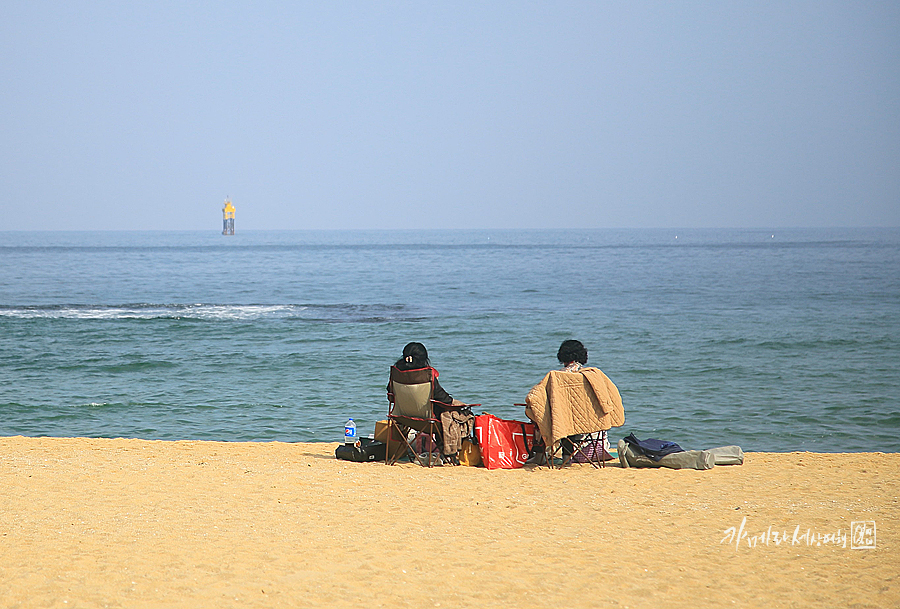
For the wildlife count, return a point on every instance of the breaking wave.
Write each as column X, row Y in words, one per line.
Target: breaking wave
column 373, row 313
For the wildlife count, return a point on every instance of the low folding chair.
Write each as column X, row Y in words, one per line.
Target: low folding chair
column 585, row 448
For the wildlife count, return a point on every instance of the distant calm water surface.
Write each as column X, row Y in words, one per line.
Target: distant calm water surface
column 773, row 340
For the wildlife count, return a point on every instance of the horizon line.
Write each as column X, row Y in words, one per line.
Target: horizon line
column 443, row 229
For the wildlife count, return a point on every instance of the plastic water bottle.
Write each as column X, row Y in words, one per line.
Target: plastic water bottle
column 350, row 432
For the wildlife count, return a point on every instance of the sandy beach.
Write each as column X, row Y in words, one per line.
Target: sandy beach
column 134, row 523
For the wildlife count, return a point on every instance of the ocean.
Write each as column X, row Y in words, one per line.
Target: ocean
column 784, row 340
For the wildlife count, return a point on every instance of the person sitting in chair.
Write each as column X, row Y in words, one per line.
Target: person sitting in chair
column 415, row 357
column 573, row 357
column 456, row 423
column 599, row 403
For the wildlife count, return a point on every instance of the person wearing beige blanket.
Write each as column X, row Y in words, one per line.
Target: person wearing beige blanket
column 574, row 400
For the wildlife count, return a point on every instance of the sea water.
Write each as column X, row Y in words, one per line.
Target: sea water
column 773, row 340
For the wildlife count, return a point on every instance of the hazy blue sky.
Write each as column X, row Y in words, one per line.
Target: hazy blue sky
column 126, row 115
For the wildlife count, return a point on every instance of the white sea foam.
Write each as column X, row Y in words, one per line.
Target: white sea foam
column 195, row 311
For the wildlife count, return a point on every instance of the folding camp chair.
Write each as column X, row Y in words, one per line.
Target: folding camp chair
column 411, row 416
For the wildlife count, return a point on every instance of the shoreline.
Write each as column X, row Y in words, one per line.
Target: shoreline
column 335, row 443
column 95, row 522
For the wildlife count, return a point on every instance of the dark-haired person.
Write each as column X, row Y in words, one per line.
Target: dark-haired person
column 594, row 395
column 572, row 355
column 415, row 357
column 455, row 425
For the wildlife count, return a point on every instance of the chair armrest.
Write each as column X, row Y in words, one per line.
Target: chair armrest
column 453, row 406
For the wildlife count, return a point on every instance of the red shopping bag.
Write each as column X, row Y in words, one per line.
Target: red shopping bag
column 504, row 444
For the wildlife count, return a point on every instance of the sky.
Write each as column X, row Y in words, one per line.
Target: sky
column 463, row 115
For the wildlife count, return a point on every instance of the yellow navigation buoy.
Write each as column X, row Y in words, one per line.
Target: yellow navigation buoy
column 228, row 218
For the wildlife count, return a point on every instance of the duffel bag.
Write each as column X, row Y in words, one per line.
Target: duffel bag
column 368, row 450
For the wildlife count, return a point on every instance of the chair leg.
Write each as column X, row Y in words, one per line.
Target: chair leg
column 578, row 448
column 590, row 440
column 550, row 454
column 389, row 457
column 387, row 452
column 591, row 447
column 430, row 440
column 575, row 446
column 403, row 432
column 595, row 442
column 603, row 449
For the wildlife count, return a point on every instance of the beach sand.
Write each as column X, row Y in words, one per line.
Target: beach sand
column 134, row 523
